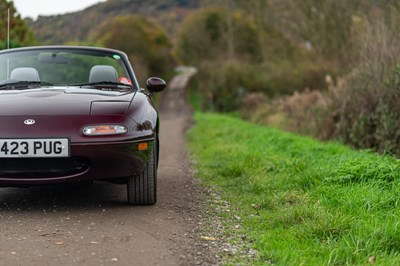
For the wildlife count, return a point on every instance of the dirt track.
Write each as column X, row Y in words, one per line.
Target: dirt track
column 92, row 224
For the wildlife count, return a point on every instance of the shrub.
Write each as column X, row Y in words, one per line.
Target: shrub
column 362, row 108
column 366, row 103
column 220, row 84
column 236, row 56
column 224, row 84
column 304, row 112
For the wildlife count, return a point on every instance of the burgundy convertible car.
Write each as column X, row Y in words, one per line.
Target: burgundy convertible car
column 71, row 114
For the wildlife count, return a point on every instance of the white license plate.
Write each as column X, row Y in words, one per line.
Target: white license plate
column 16, row 148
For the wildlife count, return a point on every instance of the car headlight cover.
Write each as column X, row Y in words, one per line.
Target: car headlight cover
column 99, row 130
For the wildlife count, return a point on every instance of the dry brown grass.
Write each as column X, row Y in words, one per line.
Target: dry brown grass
column 360, row 108
column 303, row 112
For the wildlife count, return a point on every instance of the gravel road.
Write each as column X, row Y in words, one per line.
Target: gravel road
column 91, row 224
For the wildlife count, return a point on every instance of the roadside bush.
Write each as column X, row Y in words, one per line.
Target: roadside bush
column 224, row 84
column 362, row 108
column 366, row 104
column 306, row 113
column 236, row 56
column 288, row 76
column 220, row 84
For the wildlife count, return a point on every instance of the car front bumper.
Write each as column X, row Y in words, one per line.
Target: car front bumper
column 88, row 161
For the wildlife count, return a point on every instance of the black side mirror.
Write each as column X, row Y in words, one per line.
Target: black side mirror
column 155, row 84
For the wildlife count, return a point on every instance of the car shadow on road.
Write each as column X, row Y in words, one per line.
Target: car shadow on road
column 64, row 197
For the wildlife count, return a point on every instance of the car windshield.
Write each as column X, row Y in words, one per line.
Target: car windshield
column 96, row 68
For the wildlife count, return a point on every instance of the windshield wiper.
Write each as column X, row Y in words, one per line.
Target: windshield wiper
column 104, row 85
column 23, row 84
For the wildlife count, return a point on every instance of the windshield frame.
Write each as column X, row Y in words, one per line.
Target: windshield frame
column 78, row 50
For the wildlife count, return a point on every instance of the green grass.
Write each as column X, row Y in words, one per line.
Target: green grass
column 301, row 202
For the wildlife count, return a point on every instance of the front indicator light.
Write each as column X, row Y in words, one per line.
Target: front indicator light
column 143, row 146
column 100, row 130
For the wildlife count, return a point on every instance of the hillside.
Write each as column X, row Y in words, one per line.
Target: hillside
column 79, row 26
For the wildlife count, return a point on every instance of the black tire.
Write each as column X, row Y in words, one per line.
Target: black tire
column 142, row 188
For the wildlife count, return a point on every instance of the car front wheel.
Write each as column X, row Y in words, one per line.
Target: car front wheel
column 142, row 188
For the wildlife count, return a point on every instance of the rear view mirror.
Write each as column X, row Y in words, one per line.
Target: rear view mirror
column 155, row 84
column 53, row 59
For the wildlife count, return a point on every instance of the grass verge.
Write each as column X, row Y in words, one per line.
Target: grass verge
column 301, row 202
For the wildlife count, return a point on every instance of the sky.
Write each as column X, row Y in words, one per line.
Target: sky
column 34, row 8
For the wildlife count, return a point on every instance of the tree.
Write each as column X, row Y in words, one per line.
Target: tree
column 20, row 34
column 217, row 34
column 322, row 27
column 145, row 42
